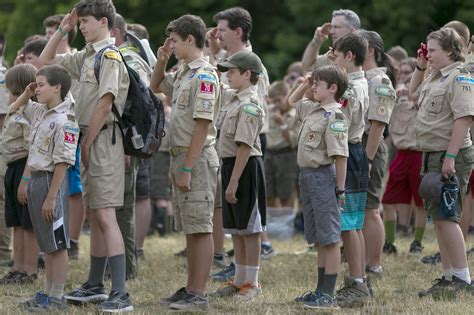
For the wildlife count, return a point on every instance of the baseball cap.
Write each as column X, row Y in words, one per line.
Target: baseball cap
column 244, row 59
column 431, row 187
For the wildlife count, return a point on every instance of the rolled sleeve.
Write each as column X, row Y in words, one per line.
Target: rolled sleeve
column 248, row 129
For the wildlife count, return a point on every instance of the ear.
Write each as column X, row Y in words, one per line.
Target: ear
column 349, row 55
column 333, row 88
column 370, row 51
column 248, row 74
column 104, row 22
column 191, row 40
column 57, row 89
column 239, row 31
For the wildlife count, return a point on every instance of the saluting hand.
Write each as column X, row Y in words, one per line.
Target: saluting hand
column 30, row 89
column 322, row 33
column 69, row 21
column 231, row 191
column 213, row 40
column 184, row 182
column 48, row 209
column 164, row 52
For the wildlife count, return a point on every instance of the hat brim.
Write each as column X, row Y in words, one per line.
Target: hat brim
column 224, row 67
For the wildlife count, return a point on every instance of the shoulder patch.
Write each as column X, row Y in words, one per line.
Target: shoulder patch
column 386, row 81
column 338, row 126
column 339, row 116
column 112, row 54
column 464, row 79
column 206, row 77
column 71, row 117
column 384, row 91
column 252, row 109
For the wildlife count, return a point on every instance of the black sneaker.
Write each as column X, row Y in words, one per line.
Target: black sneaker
column 439, row 285
column 389, row 248
column 116, row 303
column 415, row 248
column 459, row 285
column 175, row 297
column 432, row 260
column 87, row 293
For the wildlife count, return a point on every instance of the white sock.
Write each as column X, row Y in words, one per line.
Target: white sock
column 462, row 274
column 251, row 274
column 57, row 290
column 359, row 280
column 448, row 274
column 47, row 286
column 240, row 273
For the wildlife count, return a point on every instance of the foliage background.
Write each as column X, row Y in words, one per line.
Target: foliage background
column 281, row 30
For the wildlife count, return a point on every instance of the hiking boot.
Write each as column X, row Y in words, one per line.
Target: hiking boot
column 432, row 260
column 87, row 293
column 225, row 274
column 73, row 250
column 389, row 248
column 248, row 292
column 117, row 302
column 267, row 251
column 324, row 301
column 415, row 248
column 228, row 289
column 191, row 302
column 439, row 284
column 219, row 261
column 353, row 293
column 376, row 271
column 175, row 297
column 308, row 296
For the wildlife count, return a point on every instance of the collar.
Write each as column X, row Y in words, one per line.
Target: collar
column 448, row 69
column 330, row 106
column 97, row 46
column 373, row 72
column 356, row 75
column 247, row 93
column 198, row 63
column 62, row 107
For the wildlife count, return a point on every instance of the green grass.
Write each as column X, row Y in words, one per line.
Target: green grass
column 282, row 278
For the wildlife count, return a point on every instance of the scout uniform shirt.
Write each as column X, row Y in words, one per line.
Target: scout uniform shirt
column 15, row 136
column 448, row 94
column 136, row 62
column 323, row 133
column 194, row 93
column 275, row 139
column 355, row 103
column 381, row 97
column 242, row 123
column 113, row 78
column 53, row 137
column 402, row 122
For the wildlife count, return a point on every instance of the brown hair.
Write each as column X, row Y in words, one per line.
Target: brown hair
column 236, row 17
column 332, row 75
column 18, row 78
column 462, row 30
column 138, row 30
column 188, row 25
column 98, row 9
column 55, row 21
column 56, row 74
column 450, row 41
column 278, row 88
column 354, row 43
column 253, row 76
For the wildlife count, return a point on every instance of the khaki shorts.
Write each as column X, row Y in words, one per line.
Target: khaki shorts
column 433, row 162
column 103, row 182
column 193, row 210
column 218, row 194
column 377, row 174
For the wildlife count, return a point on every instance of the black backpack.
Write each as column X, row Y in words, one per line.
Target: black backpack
column 143, row 119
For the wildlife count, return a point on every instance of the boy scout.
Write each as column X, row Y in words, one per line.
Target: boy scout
column 322, row 157
column 102, row 153
column 194, row 163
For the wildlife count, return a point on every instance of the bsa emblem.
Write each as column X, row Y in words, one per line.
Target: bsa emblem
column 311, row 137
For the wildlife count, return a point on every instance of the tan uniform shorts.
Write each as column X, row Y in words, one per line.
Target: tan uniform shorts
column 378, row 171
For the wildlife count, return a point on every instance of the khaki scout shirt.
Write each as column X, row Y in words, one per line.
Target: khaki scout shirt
column 242, row 123
column 194, row 92
column 15, row 135
column 381, row 97
column 53, row 138
column 448, row 94
column 355, row 104
column 323, row 133
column 113, row 78
column 402, row 122
column 136, row 62
column 275, row 139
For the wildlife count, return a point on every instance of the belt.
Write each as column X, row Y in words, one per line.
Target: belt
column 174, row 151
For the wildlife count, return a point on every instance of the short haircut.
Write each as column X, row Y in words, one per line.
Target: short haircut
column 121, row 25
column 98, row 9
column 278, row 88
column 236, row 17
column 55, row 21
column 332, row 75
column 398, row 53
column 56, row 74
column 188, row 25
column 254, row 77
column 410, row 61
column 462, row 30
column 138, row 30
column 352, row 19
column 297, row 67
column 18, row 77
column 354, row 43
column 450, row 41
column 35, row 47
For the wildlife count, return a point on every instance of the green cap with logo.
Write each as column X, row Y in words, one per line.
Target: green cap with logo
column 244, row 59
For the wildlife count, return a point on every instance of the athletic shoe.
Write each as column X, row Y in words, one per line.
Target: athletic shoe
column 308, row 296
column 368, row 283
column 459, row 285
column 438, row 285
column 191, row 302
column 17, row 277
column 49, row 304
column 376, row 271
column 225, row 274
column 324, row 301
column 116, row 303
column 415, row 248
column 228, row 289
column 219, row 261
column 353, row 293
column 248, row 292
column 87, row 293
column 267, row 251
column 432, row 260
column 10, row 277
column 175, row 297
column 389, row 248
column 39, row 298
column 73, row 250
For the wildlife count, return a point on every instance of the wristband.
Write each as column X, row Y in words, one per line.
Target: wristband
column 60, row 30
column 341, row 197
column 25, row 179
column 420, row 69
column 187, row 170
column 340, row 191
column 451, row 156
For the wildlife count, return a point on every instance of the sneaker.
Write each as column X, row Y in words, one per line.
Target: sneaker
column 389, row 248
column 439, row 284
column 191, row 302
column 248, row 292
column 267, row 251
column 41, row 263
column 432, row 260
column 225, row 274
column 228, row 289
column 73, row 250
column 376, row 271
column 308, row 296
column 459, row 285
column 87, row 293
column 116, row 303
column 10, row 277
column 24, row 278
column 415, row 248
column 48, row 304
column 353, row 293
column 181, row 253
column 324, row 301
column 175, row 297
column 219, row 261
column 38, row 303
column 39, row 298
column 368, row 283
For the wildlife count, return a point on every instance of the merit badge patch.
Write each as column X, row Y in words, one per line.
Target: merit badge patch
column 207, row 88
column 192, row 74
column 327, row 114
column 252, row 110
column 338, row 126
column 69, row 137
column 382, row 110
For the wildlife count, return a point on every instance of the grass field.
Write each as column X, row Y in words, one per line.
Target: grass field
column 282, row 277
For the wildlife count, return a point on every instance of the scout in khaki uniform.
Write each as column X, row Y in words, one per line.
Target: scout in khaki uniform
column 102, row 153
column 52, row 148
column 379, row 72
column 194, row 96
column 242, row 172
column 322, row 158
column 446, row 108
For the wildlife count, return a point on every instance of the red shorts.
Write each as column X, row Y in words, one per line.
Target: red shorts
column 472, row 183
column 404, row 179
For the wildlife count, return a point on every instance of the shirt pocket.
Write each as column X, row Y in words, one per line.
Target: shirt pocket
column 435, row 101
column 231, row 125
column 44, row 138
column 312, row 136
column 88, row 75
column 183, row 98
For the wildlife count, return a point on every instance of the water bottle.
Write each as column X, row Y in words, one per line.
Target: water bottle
column 449, row 197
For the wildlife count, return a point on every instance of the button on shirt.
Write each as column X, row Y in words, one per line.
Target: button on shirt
column 323, row 134
column 194, row 93
column 53, row 138
column 242, row 123
column 444, row 97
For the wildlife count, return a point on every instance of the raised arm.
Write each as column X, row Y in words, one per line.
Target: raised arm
column 311, row 52
column 163, row 55
column 300, row 91
column 24, row 97
column 419, row 74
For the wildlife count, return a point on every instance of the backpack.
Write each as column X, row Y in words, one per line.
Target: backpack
column 143, row 119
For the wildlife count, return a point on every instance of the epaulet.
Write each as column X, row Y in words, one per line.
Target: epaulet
column 71, row 117
column 252, row 109
column 113, row 54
